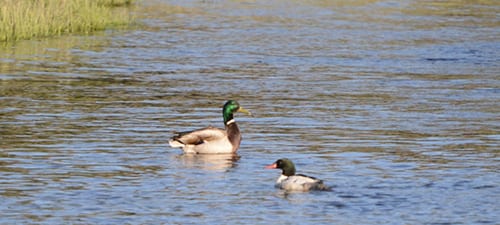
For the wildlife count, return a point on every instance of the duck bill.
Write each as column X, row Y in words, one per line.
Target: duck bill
column 241, row 109
column 272, row 166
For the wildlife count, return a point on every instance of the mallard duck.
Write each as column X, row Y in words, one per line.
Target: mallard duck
column 290, row 181
column 211, row 140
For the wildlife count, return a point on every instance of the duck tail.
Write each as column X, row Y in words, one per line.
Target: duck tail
column 175, row 143
column 320, row 186
column 323, row 187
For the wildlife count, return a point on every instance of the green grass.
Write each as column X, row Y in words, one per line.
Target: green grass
column 26, row 19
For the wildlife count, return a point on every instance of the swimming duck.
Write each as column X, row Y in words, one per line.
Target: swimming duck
column 290, row 181
column 211, row 140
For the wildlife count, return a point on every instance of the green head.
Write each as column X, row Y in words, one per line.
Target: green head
column 285, row 165
column 230, row 108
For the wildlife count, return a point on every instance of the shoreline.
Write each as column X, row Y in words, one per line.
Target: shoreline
column 24, row 20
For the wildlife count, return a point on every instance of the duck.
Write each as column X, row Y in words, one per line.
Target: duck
column 289, row 181
column 212, row 140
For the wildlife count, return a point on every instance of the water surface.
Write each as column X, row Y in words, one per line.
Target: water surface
column 393, row 103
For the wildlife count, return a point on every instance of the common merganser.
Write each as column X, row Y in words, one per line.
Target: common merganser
column 290, row 181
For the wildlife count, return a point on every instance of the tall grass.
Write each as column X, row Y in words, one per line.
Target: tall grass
column 25, row 19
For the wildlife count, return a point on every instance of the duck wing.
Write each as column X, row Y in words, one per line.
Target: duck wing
column 304, row 183
column 200, row 136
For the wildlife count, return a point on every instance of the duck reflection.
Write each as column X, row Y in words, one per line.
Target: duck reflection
column 221, row 162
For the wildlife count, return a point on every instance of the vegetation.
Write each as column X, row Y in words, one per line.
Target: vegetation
column 25, row 19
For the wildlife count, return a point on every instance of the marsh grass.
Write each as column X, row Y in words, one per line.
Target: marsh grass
column 25, row 19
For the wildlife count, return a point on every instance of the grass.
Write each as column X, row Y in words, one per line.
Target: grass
column 26, row 19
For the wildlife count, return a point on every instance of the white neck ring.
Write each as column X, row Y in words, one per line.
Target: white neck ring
column 230, row 122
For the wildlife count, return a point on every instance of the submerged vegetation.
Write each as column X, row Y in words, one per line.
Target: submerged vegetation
column 41, row 18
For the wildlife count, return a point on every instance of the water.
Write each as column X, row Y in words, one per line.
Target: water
column 393, row 103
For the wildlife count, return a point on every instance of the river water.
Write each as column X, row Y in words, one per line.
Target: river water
column 395, row 104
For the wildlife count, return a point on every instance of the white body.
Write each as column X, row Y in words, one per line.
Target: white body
column 299, row 183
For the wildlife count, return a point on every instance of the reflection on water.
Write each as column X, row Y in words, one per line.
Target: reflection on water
column 394, row 104
column 218, row 162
